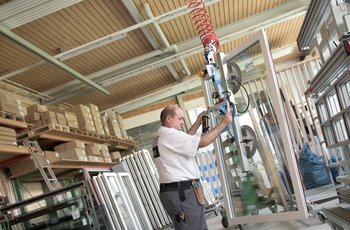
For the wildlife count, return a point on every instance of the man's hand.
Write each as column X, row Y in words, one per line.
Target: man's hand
column 227, row 118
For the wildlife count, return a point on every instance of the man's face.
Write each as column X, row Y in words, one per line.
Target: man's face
column 177, row 122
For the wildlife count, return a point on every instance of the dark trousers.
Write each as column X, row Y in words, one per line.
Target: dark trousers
column 182, row 202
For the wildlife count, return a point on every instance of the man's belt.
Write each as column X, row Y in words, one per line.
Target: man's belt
column 176, row 186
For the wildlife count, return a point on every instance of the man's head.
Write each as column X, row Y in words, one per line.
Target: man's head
column 172, row 117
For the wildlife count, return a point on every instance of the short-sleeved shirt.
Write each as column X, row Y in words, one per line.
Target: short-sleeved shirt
column 177, row 160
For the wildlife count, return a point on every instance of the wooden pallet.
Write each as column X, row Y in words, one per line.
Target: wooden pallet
column 57, row 132
column 11, row 116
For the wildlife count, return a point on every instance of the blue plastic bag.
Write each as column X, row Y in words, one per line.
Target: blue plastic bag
column 313, row 169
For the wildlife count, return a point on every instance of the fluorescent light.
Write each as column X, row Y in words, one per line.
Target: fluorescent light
column 89, row 46
column 19, row 12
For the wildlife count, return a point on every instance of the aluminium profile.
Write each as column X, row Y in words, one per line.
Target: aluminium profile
column 337, row 63
column 313, row 18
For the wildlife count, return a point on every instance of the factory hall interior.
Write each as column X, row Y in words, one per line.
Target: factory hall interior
column 175, row 114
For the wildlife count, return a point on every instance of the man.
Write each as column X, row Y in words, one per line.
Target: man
column 175, row 153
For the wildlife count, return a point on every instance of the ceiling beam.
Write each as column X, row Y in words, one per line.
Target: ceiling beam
column 159, row 95
column 130, row 5
column 101, row 41
column 185, row 86
column 187, row 48
column 24, row 43
column 18, row 12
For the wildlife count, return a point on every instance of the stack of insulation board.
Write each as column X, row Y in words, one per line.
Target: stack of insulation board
column 8, row 136
column 78, row 150
column 115, row 124
column 82, row 117
column 13, row 104
column 73, row 150
column 143, row 172
column 39, row 115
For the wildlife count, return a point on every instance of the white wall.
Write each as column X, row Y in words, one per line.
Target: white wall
column 153, row 116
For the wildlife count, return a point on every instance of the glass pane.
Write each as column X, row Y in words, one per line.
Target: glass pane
column 333, row 103
column 328, row 133
column 264, row 186
column 135, row 201
column 322, row 111
column 340, row 129
column 347, row 119
column 119, row 201
column 344, row 93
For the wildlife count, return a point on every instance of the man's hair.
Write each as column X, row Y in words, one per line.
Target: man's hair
column 167, row 111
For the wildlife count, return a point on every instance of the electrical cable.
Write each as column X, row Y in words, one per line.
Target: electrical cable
column 245, row 110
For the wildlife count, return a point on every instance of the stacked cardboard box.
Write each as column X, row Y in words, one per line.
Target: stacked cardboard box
column 96, row 118
column 85, row 120
column 73, row 150
column 38, row 115
column 105, row 125
column 72, row 120
column 113, row 125
column 8, row 136
column 103, row 152
column 115, row 156
column 52, row 156
column 12, row 104
column 93, row 153
column 22, row 166
column 61, row 119
column 33, row 114
column 48, row 117
column 121, row 126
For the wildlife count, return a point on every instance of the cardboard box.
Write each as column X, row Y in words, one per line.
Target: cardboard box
column 84, row 117
column 107, row 159
column 8, row 138
column 4, row 142
column 36, row 108
column 96, row 117
column 52, row 156
column 92, row 150
column 72, row 120
column 60, row 148
column 11, row 105
column 70, row 145
column 7, row 131
column 61, row 119
column 75, row 144
column 115, row 156
column 112, row 123
column 104, row 151
column 105, row 126
column 22, row 166
column 73, row 154
column 30, row 117
column 48, row 117
column 95, row 158
column 121, row 126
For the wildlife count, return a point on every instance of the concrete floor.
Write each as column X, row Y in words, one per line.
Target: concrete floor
column 311, row 223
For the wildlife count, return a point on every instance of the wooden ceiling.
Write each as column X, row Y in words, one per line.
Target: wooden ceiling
column 153, row 54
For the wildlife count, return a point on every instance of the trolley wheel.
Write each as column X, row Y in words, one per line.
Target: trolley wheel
column 240, row 227
column 273, row 208
column 321, row 217
column 224, row 222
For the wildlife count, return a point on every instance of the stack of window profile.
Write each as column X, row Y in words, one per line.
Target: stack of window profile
column 124, row 208
column 145, row 176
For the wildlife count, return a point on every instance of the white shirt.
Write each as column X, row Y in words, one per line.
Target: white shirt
column 177, row 160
